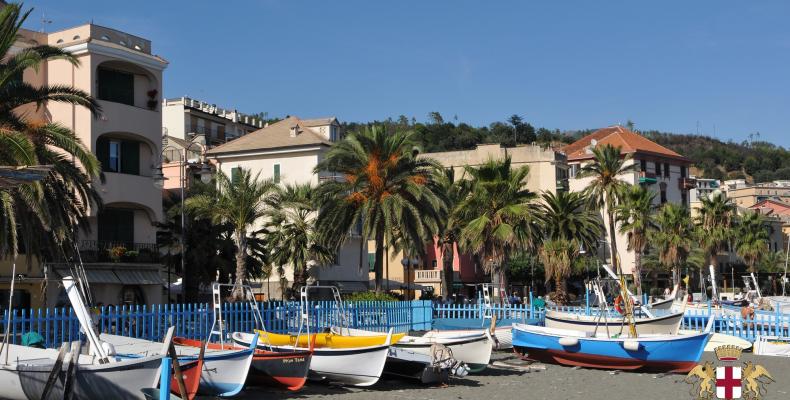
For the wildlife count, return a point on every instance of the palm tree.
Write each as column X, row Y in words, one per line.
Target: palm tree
column 607, row 164
column 714, row 223
column 291, row 232
column 495, row 214
column 634, row 213
column 672, row 238
column 449, row 226
column 751, row 241
column 48, row 211
column 567, row 225
column 241, row 203
column 384, row 187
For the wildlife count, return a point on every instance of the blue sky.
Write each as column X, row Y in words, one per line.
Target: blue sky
column 668, row 65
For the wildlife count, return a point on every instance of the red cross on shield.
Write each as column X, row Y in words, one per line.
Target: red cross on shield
column 728, row 382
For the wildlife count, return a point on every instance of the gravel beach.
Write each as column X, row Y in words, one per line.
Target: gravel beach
column 555, row 382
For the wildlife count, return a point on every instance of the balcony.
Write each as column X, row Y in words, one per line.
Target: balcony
column 687, row 183
column 647, row 178
column 118, row 117
column 98, row 251
column 131, row 189
column 427, row 276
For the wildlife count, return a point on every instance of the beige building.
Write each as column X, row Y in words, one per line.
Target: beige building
column 120, row 71
column 287, row 152
column 189, row 119
column 748, row 195
column 658, row 168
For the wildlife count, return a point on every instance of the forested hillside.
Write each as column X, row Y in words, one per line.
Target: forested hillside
column 755, row 160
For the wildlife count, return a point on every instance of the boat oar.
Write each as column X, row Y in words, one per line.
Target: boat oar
column 53, row 375
column 182, row 388
column 71, row 373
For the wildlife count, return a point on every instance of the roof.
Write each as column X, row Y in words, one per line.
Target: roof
column 318, row 121
column 275, row 136
column 618, row 136
column 178, row 141
column 775, row 207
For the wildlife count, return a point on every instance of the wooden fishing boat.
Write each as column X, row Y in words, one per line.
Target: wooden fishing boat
column 326, row 340
column 282, row 369
column 721, row 339
column 772, row 346
column 356, row 366
column 502, row 334
column 224, row 372
column 471, row 347
column 434, row 368
column 667, row 353
column 665, row 324
column 190, row 374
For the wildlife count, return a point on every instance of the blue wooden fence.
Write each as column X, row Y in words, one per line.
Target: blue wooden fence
column 194, row 320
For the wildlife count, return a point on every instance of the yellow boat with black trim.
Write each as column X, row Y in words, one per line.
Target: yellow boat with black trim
column 326, row 340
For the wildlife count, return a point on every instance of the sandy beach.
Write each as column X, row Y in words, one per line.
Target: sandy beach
column 555, row 382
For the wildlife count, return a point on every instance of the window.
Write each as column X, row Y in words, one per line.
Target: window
column 276, row 173
column 116, row 225
column 235, row 175
column 658, row 168
column 118, row 155
column 116, row 86
column 666, row 170
column 643, row 164
column 683, row 198
column 663, row 196
column 682, row 171
column 371, row 262
column 574, row 170
column 433, row 264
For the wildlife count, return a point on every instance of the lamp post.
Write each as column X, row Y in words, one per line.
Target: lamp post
column 159, row 181
column 407, row 263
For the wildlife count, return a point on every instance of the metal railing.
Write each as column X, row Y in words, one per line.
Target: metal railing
column 427, row 275
column 118, row 251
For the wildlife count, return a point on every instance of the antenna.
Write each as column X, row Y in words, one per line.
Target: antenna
column 44, row 23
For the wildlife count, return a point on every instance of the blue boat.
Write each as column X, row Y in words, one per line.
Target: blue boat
column 666, row 353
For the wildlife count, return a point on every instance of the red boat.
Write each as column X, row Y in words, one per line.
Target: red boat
column 286, row 369
column 190, row 371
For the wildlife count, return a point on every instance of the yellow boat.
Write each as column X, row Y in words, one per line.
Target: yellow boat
column 326, row 340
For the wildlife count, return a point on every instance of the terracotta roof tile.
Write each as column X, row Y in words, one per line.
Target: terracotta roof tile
column 618, row 136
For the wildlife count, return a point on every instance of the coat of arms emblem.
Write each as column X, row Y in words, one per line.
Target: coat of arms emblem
column 728, row 381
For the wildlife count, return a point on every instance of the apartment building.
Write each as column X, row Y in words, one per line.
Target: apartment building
column 548, row 171
column 287, row 152
column 744, row 195
column 119, row 248
column 194, row 120
column 655, row 167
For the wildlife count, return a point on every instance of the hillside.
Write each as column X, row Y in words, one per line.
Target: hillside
column 756, row 161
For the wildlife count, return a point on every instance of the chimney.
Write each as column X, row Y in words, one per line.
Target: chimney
column 294, row 130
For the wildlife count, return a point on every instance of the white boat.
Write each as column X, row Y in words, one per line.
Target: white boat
column 224, row 371
column 98, row 375
column 667, row 325
column 501, row 337
column 772, row 346
column 471, row 347
column 720, row 339
column 356, row 366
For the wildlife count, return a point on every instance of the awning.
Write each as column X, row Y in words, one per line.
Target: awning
column 138, row 277
column 94, row 275
column 351, row 286
column 396, row 285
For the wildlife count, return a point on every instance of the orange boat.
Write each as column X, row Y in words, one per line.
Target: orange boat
column 282, row 369
column 190, row 372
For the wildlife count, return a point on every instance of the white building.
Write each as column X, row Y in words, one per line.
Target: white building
column 287, row 152
column 656, row 167
column 188, row 119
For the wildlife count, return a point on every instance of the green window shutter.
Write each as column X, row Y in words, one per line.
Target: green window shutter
column 372, row 261
column 116, row 86
column 116, row 225
column 276, row 173
column 235, row 174
column 103, row 153
column 130, row 157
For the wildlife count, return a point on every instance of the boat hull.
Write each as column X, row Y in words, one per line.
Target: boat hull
column 190, row 373
column 670, row 353
column 503, row 338
column 662, row 304
column 408, row 364
column 350, row 366
column 330, row 340
column 474, row 350
column 287, row 370
column 663, row 325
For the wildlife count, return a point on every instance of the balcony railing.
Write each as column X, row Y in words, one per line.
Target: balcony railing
column 111, row 251
column 648, row 178
column 687, row 183
column 428, row 275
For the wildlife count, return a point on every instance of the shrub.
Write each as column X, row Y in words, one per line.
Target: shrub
column 370, row 296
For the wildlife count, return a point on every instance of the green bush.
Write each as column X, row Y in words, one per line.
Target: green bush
column 370, row 296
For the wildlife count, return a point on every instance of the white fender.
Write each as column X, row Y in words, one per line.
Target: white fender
column 569, row 341
column 631, row 345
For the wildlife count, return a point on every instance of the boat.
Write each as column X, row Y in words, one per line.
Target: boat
column 356, row 366
column 326, row 340
column 501, row 335
column 666, row 353
column 434, row 368
column 667, row 324
column 190, row 375
column 90, row 376
column 471, row 347
column 224, row 372
column 772, row 346
column 281, row 369
column 721, row 339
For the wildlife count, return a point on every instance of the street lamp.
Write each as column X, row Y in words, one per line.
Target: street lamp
column 159, row 181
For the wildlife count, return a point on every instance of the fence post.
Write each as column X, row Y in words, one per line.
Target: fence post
column 586, row 300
